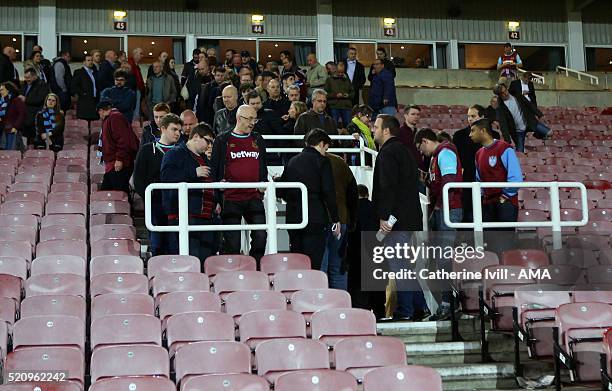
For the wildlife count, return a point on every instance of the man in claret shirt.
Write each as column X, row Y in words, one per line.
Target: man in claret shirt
column 188, row 163
column 496, row 161
column 240, row 156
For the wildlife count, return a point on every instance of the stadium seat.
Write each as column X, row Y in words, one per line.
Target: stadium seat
column 195, row 326
column 238, row 303
column 69, row 177
column 125, row 329
column 22, row 208
column 8, row 310
column 55, row 284
column 107, row 195
column 229, row 263
column 25, row 196
column 172, row 263
column 30, row 186
column 331, row 325
column 104, row 264
column 4, row 335
column 279, row 356
column 122, row 283
column 315, row 380
column 49, row 330
column 115, row 247
column 112, row 231
column 531, row 258
column 274, row 263
column 63, row 232
column 165, row 282
column 77, row 248
column 134, row 383
column 258, row 326
column 69, row 187
column 10, row 287
column 14, row 266
column 402, row 378
column 211, row 357
column 121, row 303
column 63, row 220
column 47, row 305
column 359, row 355
column 308, row 301
column 227, row 282
column 600, row 215
column 230, row 381
column 49, row 358
column 14, row 220
column 290, row 281
column 58, row 264
column 66, row 207
column 109, row 207
column 129, row 360
column 110, row 219
column 179, row 302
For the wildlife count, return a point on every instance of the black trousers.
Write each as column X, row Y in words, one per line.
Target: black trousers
column 200, row 242
column 117, row 180
column 254, row 213
column 310, row 241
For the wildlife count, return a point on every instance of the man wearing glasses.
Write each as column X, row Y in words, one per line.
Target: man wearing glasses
column 316, row 118
column 240, row 156
column 123, row 98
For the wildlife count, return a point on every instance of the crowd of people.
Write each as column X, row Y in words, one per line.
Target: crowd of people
column 207, row 125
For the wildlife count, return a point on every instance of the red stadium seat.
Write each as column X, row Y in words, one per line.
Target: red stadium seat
column 123, row 283
column 109, row 207
column 69, row 177
column 237, row 382
column 63, row 219
column 63, row 232
column 532, row 215
column 121, row 303
column 112, row 231
column 55, row 284
column 359, row 355
column 69, row 187
column 40, row 153
column 104, row 264
column 16, row 248
column 537, row 204
column 274, row 263
column 48, row 358
column 280, row 356
column 115, row 247
column 109, row 195
column 238, row 303
column 290, row 281
column 165, row 282
column 25, row 196
column 8, row 310
column 49, row 330
column 179, row 302
column 307, row 301
column 129, row 360
column 599, row 293
column 110, row 219
column 402, row 378
column 187, row 327
column 58, row 264
column 14, row 266
column 315, row 380
column 211, row 357
column 600, row 215
column 125, row 329
column 528, row 258
column 22, row 208
column 229, row 263
column 10, row 287
column 25, row 220
column 4, row 334
column 331, row 325
column 172, row 263
column 133, row 383
column 48, row 305
column 29, row 186
column 227, row 282
column 258, row 326
column 77, row 248
column 66, row 207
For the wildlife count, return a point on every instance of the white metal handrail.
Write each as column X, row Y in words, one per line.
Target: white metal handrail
column 538, row 79
column 555, row 206
column 183, row 228
column 592, row 78
column 361, row 149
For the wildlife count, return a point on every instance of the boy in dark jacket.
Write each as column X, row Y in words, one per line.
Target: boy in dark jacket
column 151, row 132
column 147, row 171
column 188, row 163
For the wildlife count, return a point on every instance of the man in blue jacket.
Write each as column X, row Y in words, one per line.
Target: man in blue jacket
column 123, row 98
column 188, row 163
column 382, row 98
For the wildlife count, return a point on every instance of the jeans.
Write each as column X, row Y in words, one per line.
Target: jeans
column 436, row 221
column 159, row 240
column 520, row 141
column 341, row 114
column 254, row 213
column 410, row 298
column 10, row 141
column 200, row 242
column 391, row 110
column 332, row 259
column 310, row 241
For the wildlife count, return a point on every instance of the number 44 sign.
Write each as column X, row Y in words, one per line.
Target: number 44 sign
column 257, row 28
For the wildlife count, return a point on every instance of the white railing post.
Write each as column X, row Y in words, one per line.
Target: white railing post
column 476, row 207
column 271, row 217
column 183, row 218
column 555, row 215
column 361, row 152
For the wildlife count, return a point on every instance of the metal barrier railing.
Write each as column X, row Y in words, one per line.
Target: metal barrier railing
column 538, row 79
column 183, row 228
column 579, row 75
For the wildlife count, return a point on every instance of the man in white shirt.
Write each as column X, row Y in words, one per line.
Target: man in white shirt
column 355, row 72
column 516, row 115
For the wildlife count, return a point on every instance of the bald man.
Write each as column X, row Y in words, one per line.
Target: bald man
column 189, row 121
column 225, row 119
column 240, row 156
column 7, row 69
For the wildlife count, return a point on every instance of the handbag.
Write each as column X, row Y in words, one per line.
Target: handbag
column 185, row 92
column 541, row 131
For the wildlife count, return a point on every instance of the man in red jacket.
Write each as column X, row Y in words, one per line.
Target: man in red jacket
column 137, row 55
column 119, row 147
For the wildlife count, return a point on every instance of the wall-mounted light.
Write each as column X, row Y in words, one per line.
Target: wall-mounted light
column 119, row 14
column 402, row 47
column 17, row 50
column 152, row 42
column 84, row 51
column 257, row 18
column 14, row 39
column 513, row 25
column 84, row 41
column 388, row 22
column 150, row 53
column 275, row 45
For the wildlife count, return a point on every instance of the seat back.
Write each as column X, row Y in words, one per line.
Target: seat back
column 55, row 284
column 172, row 263
column 292, row 354
column 177, row 302
column 125, row 329
column 267, row 324
column 289, row 281
column 229, row 263
column 49, row 330
column 118, row 283
column 227, row 282
column 197, row 326
column 308, row 301
column 121, row 303
column 58, row 264
column 316, row 380
column 333, row 324
column 104, row 264
column 273, row 263
column 47, row 358
column 238, row 303
column 54, row 305
column 134, row 383
column 402, row 378
column 211, row 357
column 165, row 282
column 129, row 360
column 358, row 354
column 237, row 382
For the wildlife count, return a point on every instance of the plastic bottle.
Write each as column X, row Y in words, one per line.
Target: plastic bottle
column 380, row 235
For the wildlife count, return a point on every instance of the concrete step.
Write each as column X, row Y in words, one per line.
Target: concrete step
column 477, row 376
column 430, row 331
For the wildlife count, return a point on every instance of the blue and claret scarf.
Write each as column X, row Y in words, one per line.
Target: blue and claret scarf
column 48, row 120
column 4, row 104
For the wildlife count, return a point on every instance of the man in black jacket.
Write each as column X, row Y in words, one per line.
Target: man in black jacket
column 313, row 169
column 240, row 156
column 61, row 79
column 395, row 193
column 188, row 163
column 355, row 72
column 317, row 117
column 524, row 86
column 206, row 97
column 268, row 122
column 151, row 132
column 8, row 72
column 147, row 168
column 35, row 91
column 516, row 116
column 381, row 54
column 106, row 78
column 84, row 88
column 190, row 66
